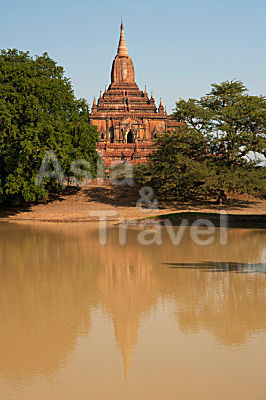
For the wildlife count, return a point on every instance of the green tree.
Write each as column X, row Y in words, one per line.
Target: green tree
column 234, row 121
column 179, row 166
column 38, row 113
column 206, row 154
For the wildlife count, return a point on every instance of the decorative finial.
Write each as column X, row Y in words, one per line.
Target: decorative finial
column 105, row 89
column 94, row 102
column 161, row 102
column 122, row 47
column 145, row 91
column 151, row 95
column 101, row 94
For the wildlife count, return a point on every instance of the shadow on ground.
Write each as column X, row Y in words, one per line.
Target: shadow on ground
column 125, row 196
column 116, row 196
column 10, row 210
column 231, row 204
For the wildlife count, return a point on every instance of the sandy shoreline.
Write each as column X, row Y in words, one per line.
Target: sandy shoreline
column 76, row 205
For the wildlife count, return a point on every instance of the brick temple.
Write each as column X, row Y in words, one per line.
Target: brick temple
column 126, row 117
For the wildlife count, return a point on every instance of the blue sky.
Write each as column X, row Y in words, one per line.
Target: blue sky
column 178, row 47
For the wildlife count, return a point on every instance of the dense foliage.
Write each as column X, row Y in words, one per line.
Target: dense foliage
column 234, row 121
column 38, row 113
column 215, row 150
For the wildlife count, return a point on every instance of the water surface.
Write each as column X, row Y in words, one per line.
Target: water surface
column 85, row 321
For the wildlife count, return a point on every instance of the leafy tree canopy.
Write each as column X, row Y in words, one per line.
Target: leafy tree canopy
column 178, row 165
column 206, row 155
column 234, row 120
column 38, row 113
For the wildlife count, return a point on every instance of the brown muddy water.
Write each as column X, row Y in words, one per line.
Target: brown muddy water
column 84, row 321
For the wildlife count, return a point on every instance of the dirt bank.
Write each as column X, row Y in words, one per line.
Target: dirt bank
column 74, row 205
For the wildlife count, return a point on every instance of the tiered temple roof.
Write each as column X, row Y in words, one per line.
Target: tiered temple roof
column 125, row 115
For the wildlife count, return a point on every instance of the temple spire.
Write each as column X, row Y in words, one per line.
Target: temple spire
column 122, row 47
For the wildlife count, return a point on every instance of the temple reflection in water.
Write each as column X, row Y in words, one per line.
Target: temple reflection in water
column 55, row 277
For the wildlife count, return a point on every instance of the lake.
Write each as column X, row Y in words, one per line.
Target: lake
column 80, row 320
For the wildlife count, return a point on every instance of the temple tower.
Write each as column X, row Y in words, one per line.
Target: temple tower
column 126, row 117
column 123, row 72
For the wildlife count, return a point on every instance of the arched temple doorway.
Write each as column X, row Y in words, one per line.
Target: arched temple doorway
column 111, row 135
column 130, row 137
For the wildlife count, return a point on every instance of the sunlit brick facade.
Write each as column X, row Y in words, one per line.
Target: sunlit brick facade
column 126, row 117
